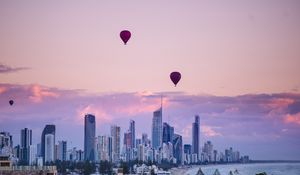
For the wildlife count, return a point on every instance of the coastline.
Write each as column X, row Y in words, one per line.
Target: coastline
column 188, row 168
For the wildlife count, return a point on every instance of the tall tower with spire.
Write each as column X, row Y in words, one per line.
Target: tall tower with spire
column 196, row 136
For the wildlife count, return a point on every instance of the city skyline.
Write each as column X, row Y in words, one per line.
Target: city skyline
column 239, row 65
column 103, row 148
column 266, row 110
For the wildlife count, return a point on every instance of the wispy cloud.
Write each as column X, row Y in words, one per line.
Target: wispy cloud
column 209, row 131
column 39, row 92
column 293, row 118
column 8, row 69
column 100, row 114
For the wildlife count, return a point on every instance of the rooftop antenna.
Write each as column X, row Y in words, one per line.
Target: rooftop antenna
column 161, row 104
column 161, row 101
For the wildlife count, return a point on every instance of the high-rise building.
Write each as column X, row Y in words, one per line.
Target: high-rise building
column 6, row 143
column 210, row 150
column 110, row 148
column 236, row 156
column 215, row 156
column 196, row 136
column 167, row 151
column 132, row 131
column 49, row 148
column 74, row 155
column 127, row 140
column 103, row 148
column 39, row 149
column 79, row 155
column 140, row 152
column 145, row 140
column 56, row 152
column 157, row 129
column 16, row 152
column 116, row 140
column 32, row 154
column 62, row 151
column 177, row 148
column 5, row 140
column 49, row 129
column 168, row 133
column 187, row 149
column 138, row 142
column 89, row 137
column 229, row 155
column 26, row 141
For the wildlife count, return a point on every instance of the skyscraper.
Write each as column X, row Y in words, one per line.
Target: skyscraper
column 49, row 129
column 49, row 147
column 196, row 136
column 144, row 139
column 32, row 154
column 157, row 129
column 26, row 141
column 110, row 150
column 140, row 152
column 208, row 151
column 177, row 148
column 62, row 151
column 115, row 134
column 6, row 143
column 132, row 131
column 127, row 139
column 187, row 156
column 168, row 133
column 138, row 142
column 89, row 137
column 103, row 148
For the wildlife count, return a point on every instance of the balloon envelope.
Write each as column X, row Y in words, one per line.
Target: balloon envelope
column 175, row 77
column 11, row 102
column 125, row 35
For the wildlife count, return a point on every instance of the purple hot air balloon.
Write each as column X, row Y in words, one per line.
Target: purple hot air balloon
column 175, row 77
column 11, row 102
column 125, row 36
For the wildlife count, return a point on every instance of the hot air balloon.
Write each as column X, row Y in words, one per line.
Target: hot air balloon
column 11, row 102
column 125, row 36
column 175, row 77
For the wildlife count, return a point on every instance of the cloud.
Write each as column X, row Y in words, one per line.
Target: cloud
column 208, row 131
column 295, row 89
column 293, row 118
column 186, row 131
column 100, row 114
column 39, row 92
column 8, row 69
column 2, row 89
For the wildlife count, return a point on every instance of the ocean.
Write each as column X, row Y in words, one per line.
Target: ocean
column 250, row 169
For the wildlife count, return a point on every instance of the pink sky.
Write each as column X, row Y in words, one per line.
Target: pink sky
column 239, row 62
column 221, row 48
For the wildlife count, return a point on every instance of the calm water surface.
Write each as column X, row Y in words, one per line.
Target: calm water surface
column 251, row 169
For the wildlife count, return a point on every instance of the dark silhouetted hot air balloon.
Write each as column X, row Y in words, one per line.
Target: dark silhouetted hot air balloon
column 11, row 102
column 175, row 77
column 125, row 35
